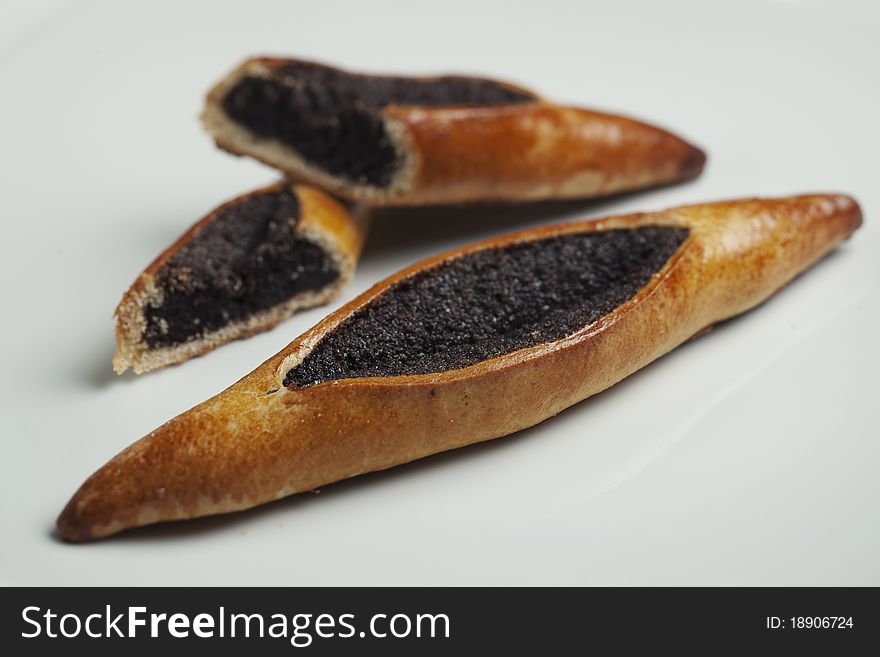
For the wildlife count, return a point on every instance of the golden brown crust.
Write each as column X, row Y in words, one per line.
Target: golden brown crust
column 258, row 441
column 322, row 220
column 513, row 152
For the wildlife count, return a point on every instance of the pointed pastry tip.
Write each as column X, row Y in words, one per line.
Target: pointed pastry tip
column 842, row 208
column 69, row 528
column 693, row 163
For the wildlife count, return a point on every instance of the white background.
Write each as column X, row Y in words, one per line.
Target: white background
column 747, row 457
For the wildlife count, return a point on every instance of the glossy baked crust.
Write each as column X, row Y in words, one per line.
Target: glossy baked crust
column 258, row 441
column 322, row 220
column 515, row 152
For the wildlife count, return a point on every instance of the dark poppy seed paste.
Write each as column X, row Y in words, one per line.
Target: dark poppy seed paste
column 245, row 260
column 491, row 302
column 331, row 118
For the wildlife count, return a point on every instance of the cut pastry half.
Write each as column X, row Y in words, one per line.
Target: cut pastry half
column 390, row 140
column 468, row 346
column 244, row 267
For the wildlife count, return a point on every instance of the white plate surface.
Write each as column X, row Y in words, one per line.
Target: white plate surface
column 747, row 457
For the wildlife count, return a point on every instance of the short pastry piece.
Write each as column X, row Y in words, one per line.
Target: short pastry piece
column 243, row 268
column 388, row 140
column 461, row 348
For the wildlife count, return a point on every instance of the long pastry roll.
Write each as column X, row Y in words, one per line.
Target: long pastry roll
column 387, row 140
column 464, row 347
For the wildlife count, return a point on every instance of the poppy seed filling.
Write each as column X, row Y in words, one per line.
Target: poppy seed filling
column 246, row 259
column 332, row 118
column 489, row 303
